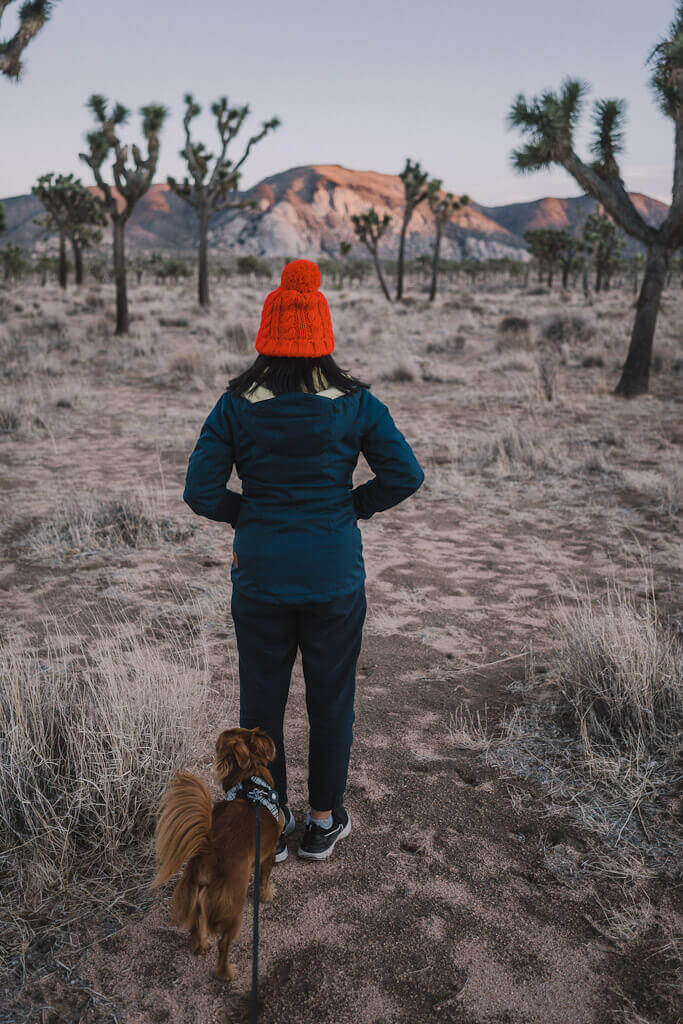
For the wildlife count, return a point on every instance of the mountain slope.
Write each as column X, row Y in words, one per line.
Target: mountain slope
column 306, row 211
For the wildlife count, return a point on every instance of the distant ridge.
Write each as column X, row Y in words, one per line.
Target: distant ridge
column 306, row 211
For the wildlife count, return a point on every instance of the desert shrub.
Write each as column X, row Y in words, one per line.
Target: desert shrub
column 174, row 321
column 191, row 364
column 620, row 676
column 20, row 416
column 252, row 265
column 401, row 371
column 514, row 332
column 239, row 339
column 106, row 524
column 516, row 449
column 452, row 346
column 566, row 328
column 601, row 727
column 88, row 742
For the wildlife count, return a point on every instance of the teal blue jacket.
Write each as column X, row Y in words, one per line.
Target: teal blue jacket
column 296, row 532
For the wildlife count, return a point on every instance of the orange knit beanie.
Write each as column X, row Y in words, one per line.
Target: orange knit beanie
column 296, row 319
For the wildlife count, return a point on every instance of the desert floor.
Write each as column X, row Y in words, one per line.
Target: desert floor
column 464, row 893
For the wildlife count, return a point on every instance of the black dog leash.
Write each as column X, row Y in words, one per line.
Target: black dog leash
column 253, row 1016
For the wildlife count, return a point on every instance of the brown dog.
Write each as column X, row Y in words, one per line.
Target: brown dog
column 218, row 843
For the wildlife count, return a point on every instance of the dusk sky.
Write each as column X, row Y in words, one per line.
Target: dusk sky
column 364, row 84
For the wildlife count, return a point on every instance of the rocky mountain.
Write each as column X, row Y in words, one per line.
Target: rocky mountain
column 306, row 211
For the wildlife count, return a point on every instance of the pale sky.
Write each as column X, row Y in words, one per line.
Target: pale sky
column 364, row 84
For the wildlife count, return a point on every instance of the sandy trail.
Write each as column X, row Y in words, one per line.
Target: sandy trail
column 443, row 904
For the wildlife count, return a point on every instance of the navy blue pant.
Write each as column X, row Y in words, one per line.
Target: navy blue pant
column 329, row 636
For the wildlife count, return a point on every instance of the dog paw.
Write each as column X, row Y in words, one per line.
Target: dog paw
column 267, row 894
column 199, row 948
column 226, row 973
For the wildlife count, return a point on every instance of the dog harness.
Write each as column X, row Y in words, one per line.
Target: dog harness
column 256, row 790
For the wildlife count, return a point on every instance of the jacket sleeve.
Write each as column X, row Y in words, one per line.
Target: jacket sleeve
column 209, row 470
column 397, row 472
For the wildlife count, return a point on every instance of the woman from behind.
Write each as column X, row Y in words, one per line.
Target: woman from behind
column 293, row 425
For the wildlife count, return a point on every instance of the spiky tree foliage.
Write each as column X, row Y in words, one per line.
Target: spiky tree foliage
column 345, row 248
column 74, row 212
column 546, row 246
column 213, row 181
column 571, row 255
column 132, row 174
column 3, row 219
column 548, row 123
column 13, row 261
column 33, row 14
column 369, row 228
column 603, row 244
column 443, row 205
column 415, row 188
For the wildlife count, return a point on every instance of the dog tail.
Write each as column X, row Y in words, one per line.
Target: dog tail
column 184, row 826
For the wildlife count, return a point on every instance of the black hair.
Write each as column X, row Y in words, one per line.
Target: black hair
column 284, row 374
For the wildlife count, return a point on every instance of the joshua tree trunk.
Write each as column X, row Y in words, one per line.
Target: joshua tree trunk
column 122, row 319
column 401, row 259
column 550, row 277
column 435, row 263
column 635, row 376
column 380, row 275
column 63, row 265
column 565, row 276
column 78, row 261
column 203, row 265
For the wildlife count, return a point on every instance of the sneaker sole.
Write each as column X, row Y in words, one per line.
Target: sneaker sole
column 280, row 857
column 326, row 853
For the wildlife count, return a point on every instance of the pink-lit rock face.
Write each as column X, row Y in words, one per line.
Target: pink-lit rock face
column 306, row 211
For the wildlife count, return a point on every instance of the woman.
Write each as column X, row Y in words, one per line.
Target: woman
column 294, row 425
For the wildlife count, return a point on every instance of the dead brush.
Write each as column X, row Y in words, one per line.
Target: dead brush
column 238, row 339
column 600, row 730
column 620, row 676
column 191, row 364
column 21, row 416
column 107, row 523
column 514, row 334
column 89, row 737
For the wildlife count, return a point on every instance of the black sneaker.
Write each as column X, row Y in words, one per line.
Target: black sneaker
column 318, row 843
column 289, row 826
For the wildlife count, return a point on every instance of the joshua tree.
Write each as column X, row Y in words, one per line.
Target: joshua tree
column 131, row 180
column 369, row 228
column 549, row 121
column 603, row 243
column 3, row 221
column 33, row 14
column 416, row 190
column 546, row 245
column 214, row 188
column 74, row 212
column 571, row 255
column 443, row 206
column 13, row 261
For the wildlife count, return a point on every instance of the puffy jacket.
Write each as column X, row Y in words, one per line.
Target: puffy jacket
column 296, row 535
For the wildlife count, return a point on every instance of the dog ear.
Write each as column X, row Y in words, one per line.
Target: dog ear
column 231, row 752
column 241, row 753
column 224, row 758
column 262, row 746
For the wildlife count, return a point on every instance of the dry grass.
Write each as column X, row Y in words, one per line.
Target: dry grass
column 606, row 742
column 514, row 333
column 88, row 741
column 90, row 734
column 106, row 523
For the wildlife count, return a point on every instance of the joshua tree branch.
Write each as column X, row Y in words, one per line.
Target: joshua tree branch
column 611, row 194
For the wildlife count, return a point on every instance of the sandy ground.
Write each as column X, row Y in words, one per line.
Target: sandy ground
column 460, row 894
